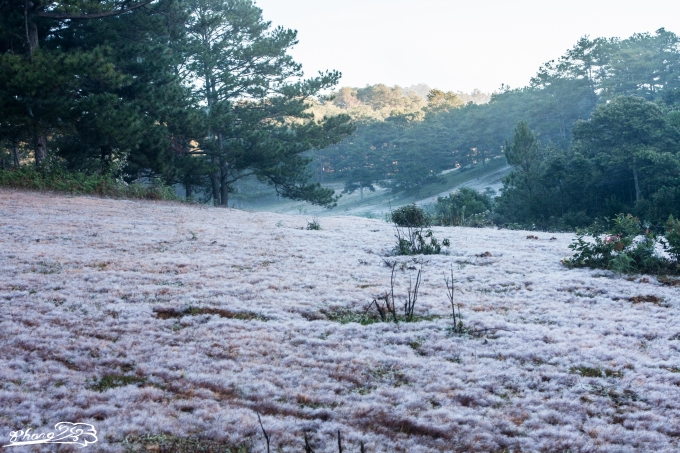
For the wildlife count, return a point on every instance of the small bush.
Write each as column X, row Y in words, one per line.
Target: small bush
column 466, row 207
column 625, row 248
column 417, row 242
column 671, row 242
column 314, row 225
column 411, row 216
column 410, row 223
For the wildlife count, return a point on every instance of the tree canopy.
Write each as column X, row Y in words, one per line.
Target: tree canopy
column 202, row 92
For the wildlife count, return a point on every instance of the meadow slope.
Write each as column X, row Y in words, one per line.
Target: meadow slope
column 211, row 315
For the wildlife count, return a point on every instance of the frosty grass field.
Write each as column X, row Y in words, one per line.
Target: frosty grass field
column 147, row 318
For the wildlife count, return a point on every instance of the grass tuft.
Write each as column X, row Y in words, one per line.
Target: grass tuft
column 110, row 381
column 592, row 372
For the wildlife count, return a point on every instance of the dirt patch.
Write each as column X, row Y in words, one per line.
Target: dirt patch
column 649, row 298
column 667, row 281
column 175, row 313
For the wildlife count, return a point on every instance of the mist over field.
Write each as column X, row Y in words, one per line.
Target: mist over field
column 209, row 245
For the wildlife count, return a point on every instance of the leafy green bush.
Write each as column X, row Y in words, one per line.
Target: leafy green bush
column 671, row 241
column 314, row 225
column 617, row 249
column 410, row 223
column 59, row 180
column 415, row 242
column 411, row 216
column 464, row 207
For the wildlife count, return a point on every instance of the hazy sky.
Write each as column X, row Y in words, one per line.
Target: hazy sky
column 454, row 44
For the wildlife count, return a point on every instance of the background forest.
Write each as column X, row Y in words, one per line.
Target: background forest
column 203, row 94
column 596, row 133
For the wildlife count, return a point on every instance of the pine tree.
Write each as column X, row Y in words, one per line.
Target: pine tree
column 256, row 120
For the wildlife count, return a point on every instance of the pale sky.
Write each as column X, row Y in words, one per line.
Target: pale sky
column 454, row 44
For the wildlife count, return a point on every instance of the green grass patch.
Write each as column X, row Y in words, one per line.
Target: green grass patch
column 79, row 183
column 346, row 316
column 110, row 381
column 592, row 372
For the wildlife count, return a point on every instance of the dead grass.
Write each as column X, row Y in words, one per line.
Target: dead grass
column 174, row 313
column 172, row 444
column 648, row 298
column 667, row 281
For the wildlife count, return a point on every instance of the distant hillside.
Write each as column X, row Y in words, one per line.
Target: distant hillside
column 476, row 97
column 379, row 102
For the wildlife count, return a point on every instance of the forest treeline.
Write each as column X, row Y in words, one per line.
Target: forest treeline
column 204, row 94
column 201, row 93
column 594, row 134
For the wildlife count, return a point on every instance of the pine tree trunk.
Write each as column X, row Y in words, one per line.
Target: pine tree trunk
column 638, row 195
column 40, row 143
column 105, row 155
column 31, row 32
column 215, row 180
column 15, row 155
column 188, row 187
column 224, row 186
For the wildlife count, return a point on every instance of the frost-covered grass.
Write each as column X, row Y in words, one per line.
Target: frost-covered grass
column 157, row 320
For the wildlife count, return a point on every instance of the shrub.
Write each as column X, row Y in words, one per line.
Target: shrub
column 410, row 223
column 59, row 180
column 617, row 249
column 314, row 225
column 464, row 207
column 416, row 242
column 672, row 240
column 411, row 216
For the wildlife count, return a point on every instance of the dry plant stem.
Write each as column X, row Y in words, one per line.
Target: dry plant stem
column 450, row 290
column 266, row 436
column 339, row 443
column 308, row 448
column 363, row 450
column 412, row 297
column 368, row 308
column 391, row 306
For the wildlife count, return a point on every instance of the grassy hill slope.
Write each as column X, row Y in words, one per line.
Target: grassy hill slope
column 166, row 321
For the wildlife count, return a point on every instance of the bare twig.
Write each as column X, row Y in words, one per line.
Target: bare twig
column 266, row 436
column 450, row 290
column 339, row 443
column 412, row 297
column 368, row 308
column 488, row 328
column 391, row 306
column 308, row 448
column 363, row 450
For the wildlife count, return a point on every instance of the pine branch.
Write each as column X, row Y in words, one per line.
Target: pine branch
column 67, row 16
